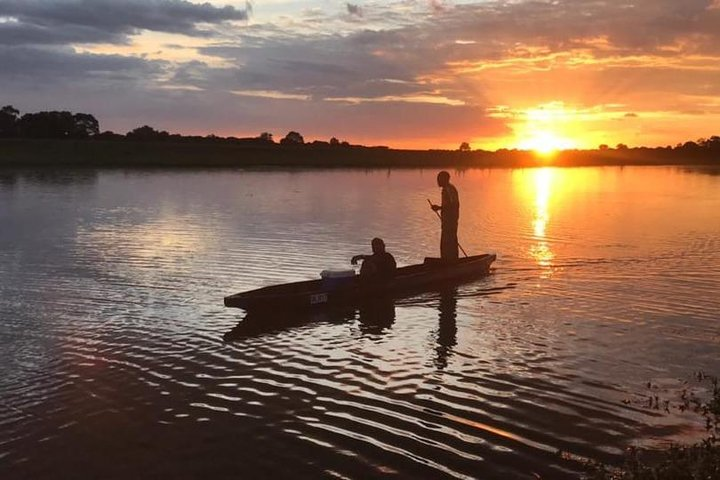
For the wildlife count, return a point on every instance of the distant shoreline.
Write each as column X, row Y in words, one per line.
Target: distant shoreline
column 40, row 153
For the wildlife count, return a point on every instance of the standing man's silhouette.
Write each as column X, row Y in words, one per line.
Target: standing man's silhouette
column 449, row 213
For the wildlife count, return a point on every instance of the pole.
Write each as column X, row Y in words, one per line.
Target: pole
column 438, row 215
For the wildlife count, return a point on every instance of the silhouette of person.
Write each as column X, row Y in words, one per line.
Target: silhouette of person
column 380, row 265
column 449, row 214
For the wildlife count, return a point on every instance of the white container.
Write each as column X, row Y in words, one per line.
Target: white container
column 329, row 274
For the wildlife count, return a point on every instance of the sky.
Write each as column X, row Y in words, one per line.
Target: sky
column 419, row 74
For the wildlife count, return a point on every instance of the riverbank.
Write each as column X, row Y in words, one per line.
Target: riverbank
column 138, row 154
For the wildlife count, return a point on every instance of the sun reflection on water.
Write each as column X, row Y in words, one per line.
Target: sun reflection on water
column 538, row 187
column 543, row 180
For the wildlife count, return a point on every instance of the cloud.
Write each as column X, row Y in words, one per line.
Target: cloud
column 17, row 33
column 110, row 21
column 334, row 65
column 527, row 35
column 45, row 68
column 642, row 25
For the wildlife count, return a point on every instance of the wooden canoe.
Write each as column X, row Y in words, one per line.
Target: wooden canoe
column 432, row 274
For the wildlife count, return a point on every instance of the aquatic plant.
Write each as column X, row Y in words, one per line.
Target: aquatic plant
column 700, row 461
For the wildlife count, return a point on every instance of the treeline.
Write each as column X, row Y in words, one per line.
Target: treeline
column 41, row 138
column 63, row 124
column 703, row 150
column 701, row 145
column 149, row 134
column 46, row 124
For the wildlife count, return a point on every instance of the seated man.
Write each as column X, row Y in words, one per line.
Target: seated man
column 380, row 265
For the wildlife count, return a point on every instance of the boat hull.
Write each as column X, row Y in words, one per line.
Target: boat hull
column 313, row 294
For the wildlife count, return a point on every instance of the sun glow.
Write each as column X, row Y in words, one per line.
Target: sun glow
column 547, row 129
column 551, row 127
column 546, row 143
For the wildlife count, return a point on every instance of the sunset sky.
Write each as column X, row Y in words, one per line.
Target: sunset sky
column 402, row 73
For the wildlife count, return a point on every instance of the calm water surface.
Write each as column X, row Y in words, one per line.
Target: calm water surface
column 118, row 360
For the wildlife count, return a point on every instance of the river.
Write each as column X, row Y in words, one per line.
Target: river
column 118, row 359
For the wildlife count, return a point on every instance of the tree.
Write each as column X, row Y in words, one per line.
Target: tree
column 57, row 125
column 621, row 146
column 334, row 142
column 47, row 125
column 108, row 135
column 464, row 147
column 292, row 138
column 8, row 121
column 10, row 110
column 147, row 133
column 266, row 137
column 603, row 147
column 86, row 125
column 713, row 143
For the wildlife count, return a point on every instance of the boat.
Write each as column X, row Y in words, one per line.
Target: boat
column 351, row 289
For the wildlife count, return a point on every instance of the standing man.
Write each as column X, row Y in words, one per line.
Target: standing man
column 449, row 214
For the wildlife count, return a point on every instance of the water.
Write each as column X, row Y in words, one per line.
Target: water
column 118, row 360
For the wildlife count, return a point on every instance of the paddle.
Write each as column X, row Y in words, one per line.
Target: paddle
column 438, row 215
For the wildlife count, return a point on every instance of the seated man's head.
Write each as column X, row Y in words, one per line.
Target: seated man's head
column 378, row 246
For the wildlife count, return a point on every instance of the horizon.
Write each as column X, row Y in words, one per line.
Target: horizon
column 542, row 152
column 523, row 75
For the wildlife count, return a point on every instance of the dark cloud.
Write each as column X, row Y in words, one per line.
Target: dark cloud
column 30, row 34
column 330, row 66
column 41, row 67
column 354, row 9
column 89, row 21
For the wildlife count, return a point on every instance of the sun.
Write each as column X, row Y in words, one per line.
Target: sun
column 545, row 143
column 545, row 129
column 549, row 128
